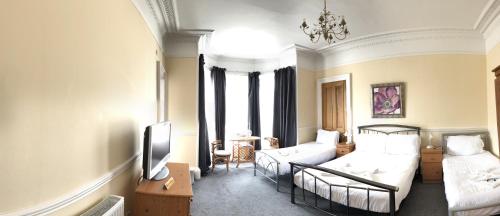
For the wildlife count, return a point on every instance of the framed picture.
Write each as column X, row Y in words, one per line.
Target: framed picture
column 388, row 100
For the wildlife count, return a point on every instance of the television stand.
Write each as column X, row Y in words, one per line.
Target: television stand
column 151, row 199
column 162, row 174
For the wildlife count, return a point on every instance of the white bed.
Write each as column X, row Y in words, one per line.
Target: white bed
column 311, row 153
column 276, row 162
column 396, row 170
column 466, row 193
column 379, row 173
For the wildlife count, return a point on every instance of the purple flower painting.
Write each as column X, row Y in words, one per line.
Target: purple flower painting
column 387, row 100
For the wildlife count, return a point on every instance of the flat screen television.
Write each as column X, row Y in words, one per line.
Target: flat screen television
column 156, row 151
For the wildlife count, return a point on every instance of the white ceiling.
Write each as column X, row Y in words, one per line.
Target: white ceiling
column 262, row 28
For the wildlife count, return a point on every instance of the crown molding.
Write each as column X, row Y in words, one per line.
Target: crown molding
column 160, row 17
column 488, row 24
column 488, row 15
column 402, row 43
column 169, row 13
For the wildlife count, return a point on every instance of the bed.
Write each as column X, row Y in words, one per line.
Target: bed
column 376, row 177
column 466, row 176
column 273, row 163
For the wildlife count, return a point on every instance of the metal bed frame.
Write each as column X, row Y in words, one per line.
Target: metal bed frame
column 265, row 162
column 486, row 139
column 391, row 190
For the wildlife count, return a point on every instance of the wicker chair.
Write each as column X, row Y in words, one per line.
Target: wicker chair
column 274, row 142
column 219, row 155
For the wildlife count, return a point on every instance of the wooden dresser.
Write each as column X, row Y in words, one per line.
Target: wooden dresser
column 151, row 199
column 432, row 168
column 343, row 149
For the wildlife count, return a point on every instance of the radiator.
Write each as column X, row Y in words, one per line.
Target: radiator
column 110, row 206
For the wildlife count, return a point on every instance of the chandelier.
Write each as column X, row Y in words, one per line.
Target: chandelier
column 329, row 27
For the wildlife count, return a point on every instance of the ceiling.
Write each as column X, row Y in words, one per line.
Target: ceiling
column 263, row 28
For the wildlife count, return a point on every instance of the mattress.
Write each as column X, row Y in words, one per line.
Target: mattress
column 396, row 170
column 464, row 187
column 311, row 153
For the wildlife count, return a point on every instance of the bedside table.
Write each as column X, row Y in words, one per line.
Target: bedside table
column 432, row 168
column 343, row 149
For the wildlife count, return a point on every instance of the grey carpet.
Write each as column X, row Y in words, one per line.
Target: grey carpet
column 240, row 193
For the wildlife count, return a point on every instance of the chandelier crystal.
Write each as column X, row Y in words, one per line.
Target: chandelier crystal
column 329, row 27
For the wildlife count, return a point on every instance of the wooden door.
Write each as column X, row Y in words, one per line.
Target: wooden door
column 497, row 95
column 333, row 102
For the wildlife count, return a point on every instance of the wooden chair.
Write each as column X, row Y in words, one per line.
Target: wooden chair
column 274, row 142
column 219, row 155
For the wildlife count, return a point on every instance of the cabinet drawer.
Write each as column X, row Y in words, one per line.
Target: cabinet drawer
column 432, row 158
column 343, row 151
column 433, row 171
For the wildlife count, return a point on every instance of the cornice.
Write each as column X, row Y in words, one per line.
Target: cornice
column 160, row 17
column 488, row 15
column 489, row 24
column 402, row 43
column 169, row 13
column 401, row 36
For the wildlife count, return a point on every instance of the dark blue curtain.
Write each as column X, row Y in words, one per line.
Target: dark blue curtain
column 219, row 79
column 254, row 106
column 204, row 148
column 285, row 107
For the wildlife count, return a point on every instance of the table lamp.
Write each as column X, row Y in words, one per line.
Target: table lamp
column 429, row 144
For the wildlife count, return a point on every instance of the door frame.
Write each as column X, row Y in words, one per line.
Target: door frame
column 348, row 107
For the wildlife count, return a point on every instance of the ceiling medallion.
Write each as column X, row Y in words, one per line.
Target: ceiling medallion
column 329, row 27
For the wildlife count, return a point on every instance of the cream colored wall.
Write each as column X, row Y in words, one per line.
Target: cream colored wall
column 492, row 61
column 77, row 87
column 306, row 105
column 442, row 91
column 182, row 107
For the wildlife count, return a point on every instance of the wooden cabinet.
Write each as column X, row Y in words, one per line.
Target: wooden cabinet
column 152, row 199
column 432, row 168
column 497, row 98
column 343, row 149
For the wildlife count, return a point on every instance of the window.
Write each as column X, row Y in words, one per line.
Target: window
column 266, row 93
column 237, row 105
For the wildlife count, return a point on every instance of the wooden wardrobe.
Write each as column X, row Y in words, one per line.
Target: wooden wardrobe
column 497, row 97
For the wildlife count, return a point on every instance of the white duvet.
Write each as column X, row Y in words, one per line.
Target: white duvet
column 396, row 170
column 466, row 184
column 311, row 153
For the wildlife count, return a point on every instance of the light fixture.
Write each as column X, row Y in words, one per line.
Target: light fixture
column 329, row 27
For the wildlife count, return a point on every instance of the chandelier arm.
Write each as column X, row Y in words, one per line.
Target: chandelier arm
column 340, row 38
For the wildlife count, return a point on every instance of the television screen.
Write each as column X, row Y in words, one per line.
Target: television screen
column 156, row 150
column 160, row 143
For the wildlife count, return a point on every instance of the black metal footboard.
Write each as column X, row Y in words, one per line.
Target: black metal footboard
column 266, row 162
column 376, row 186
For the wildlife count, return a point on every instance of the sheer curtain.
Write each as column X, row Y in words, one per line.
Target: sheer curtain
column 237, row 105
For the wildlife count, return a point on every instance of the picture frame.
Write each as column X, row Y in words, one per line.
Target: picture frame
column 388, row 100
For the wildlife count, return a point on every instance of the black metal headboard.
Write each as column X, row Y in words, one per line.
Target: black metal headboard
column 394, row 129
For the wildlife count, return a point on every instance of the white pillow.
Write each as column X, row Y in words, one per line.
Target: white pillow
column 464, row 145
column 373, row 143
column 327, row 137
column 399, row 144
